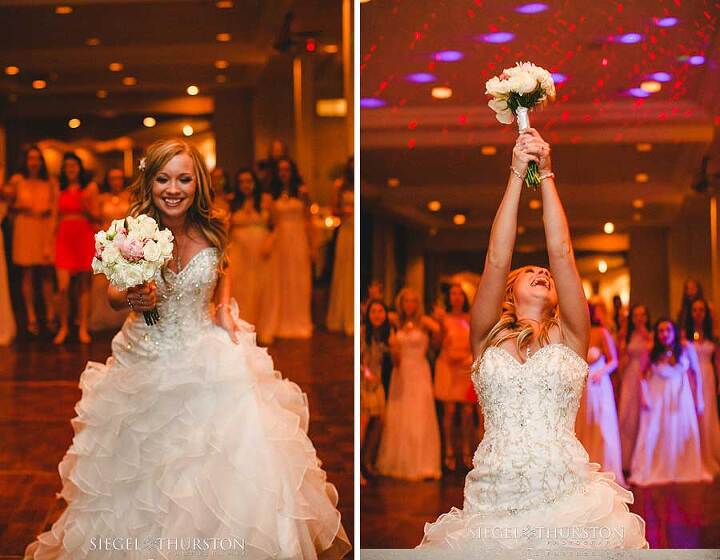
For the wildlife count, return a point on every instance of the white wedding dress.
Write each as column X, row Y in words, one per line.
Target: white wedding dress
column 183, row 434
column 532, row 485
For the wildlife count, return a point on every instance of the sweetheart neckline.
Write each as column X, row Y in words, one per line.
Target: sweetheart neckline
column 539, row 351
column 187, row 264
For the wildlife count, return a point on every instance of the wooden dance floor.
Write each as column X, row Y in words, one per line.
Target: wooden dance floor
column 393, row 512
column 38, row 390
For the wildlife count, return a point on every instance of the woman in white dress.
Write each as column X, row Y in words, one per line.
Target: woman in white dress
column 596, row 424
column 187, row 432
column 114, row 203
column 341, row 307
column 250, row 243
column 699, row 331
column 410, row 443
column 7, row 317
column 290, row 285
column 532, row 485
column 635, row 358
column 668, row 443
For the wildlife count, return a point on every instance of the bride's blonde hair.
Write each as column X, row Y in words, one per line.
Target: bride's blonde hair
column 509, row 326
column 202, row 213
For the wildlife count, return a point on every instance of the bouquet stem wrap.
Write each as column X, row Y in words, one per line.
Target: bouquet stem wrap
column 532, row 177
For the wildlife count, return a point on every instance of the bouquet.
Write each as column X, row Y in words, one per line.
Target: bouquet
column 130, row 252
column 514, row 92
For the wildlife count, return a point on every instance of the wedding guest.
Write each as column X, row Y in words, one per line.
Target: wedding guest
column 452, row 374
column 113, row 204
column 410, row 443
column 699, row 332
column 7, row 317
column 33, row 198
column 668, row 448
column 75, row 243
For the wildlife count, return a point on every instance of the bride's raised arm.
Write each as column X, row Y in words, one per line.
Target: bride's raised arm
column 574, row 318
column 487, row 305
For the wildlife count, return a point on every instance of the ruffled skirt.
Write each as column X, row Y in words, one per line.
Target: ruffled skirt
column 206, row 443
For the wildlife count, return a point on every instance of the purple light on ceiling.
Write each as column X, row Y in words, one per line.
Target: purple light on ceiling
column 499, row 37
column 421, row 77
column 638, row 92
column 533, row 8
column 696, row 60
column 558, row 78
column 448, row 56
column 372, row 102
column 666, row 21
column 630, row 38
column 661, row 77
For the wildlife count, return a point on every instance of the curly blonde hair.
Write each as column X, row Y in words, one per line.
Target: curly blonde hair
column 203, row 213
column 402, row 294
column 509, row 326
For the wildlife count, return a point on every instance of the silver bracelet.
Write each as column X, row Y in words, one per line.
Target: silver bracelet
column 547, row 176
column 515, row 172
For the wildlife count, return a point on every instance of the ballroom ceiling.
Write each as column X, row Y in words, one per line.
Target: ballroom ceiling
column 618, row 157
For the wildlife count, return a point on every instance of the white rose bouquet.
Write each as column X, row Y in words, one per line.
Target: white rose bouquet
column 514, row 92
column 130, row 252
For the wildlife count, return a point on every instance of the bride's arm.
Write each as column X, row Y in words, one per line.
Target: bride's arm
column 490, row 294
column 223, row 316
column 574, row 317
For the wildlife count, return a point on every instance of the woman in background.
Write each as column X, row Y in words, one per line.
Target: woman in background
column 250, row 243
column 699, row 332
column 668, row 443
column 635, row 358
column 452, row 373
column 114, row 204
column 341, row 308
column 596, row 424
column 7, row 318
column 290, row 266
column 75, row 243
column 33, row 197
column 410, row 443
column 374, row 360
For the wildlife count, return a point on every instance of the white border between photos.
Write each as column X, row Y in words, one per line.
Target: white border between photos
column 356, row 353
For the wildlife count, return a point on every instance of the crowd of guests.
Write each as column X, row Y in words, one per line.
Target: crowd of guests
column 648, row 414
column 52, row 221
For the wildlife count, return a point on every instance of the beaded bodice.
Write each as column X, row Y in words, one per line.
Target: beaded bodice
column 184, row 307
column 529, row 454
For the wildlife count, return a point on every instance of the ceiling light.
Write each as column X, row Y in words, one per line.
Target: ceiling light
column 115, row 66
column 221, row 64
column 641, row 178
column 192, row 90
column 499, row 37
column 651, row 86
column 187, row 130
column 661, row 76
column 630, row 38
column 149, row 122
column 609, row 227
column 92, row 41
column 638, row 92
column 393, row 182
column 220, row 79
column 101, row 93
column 696, row 60
column 39, row 84
column 521, row 230
column 441, row 92
column 224, row 4
column 421, row 77
column 434, row 205
column 330, row 49
column 74, row 123
column 448, row 56
column 558, row 78
column 488, row 150
column 372, row 102
column 336, row 107
column 12, row 70
column 643, row 147
column 459, row 219
column 665, row 21
column 533, row 8
column 129, row 81
column 637, row 216
column 63, row 10
column 535, row 204
column 602, row 266
column 223, row 37
column 638, row 203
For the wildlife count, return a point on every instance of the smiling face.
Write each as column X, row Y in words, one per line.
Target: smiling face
column 173, row 188
column 666, row 334
column 377, row 315
column 535, row 284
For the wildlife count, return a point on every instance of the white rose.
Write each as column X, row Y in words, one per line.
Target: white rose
column 97, row 266
column 100, row 237
column 497, row 87
column 523, row 83
column 110, row 254
column 129, row 275
column 165, row 249
column 164, row 235
column 151, row 251
column 148, row 270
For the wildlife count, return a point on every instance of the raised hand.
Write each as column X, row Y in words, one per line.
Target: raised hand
column 533, row 144
column 142, row 298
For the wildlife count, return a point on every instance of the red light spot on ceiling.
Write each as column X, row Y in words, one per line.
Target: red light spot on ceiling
column 411, row 143
column 463, row 119
column 412, row 125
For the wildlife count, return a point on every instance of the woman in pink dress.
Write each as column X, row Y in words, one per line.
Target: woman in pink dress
column 33, row 198
column 699, row 332
column 452, row 374
column 596, row 425
column 668, row 443
column 75, row 243
column 635, row 358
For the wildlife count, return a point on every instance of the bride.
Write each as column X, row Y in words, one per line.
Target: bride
column 532, row 485
column 187, row 441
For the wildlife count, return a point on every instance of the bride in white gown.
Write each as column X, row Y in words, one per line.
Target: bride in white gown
column 532, row 484
column 187, row 432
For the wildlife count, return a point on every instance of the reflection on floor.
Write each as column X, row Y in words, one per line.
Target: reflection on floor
column 38, row 390
column 393, row 513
